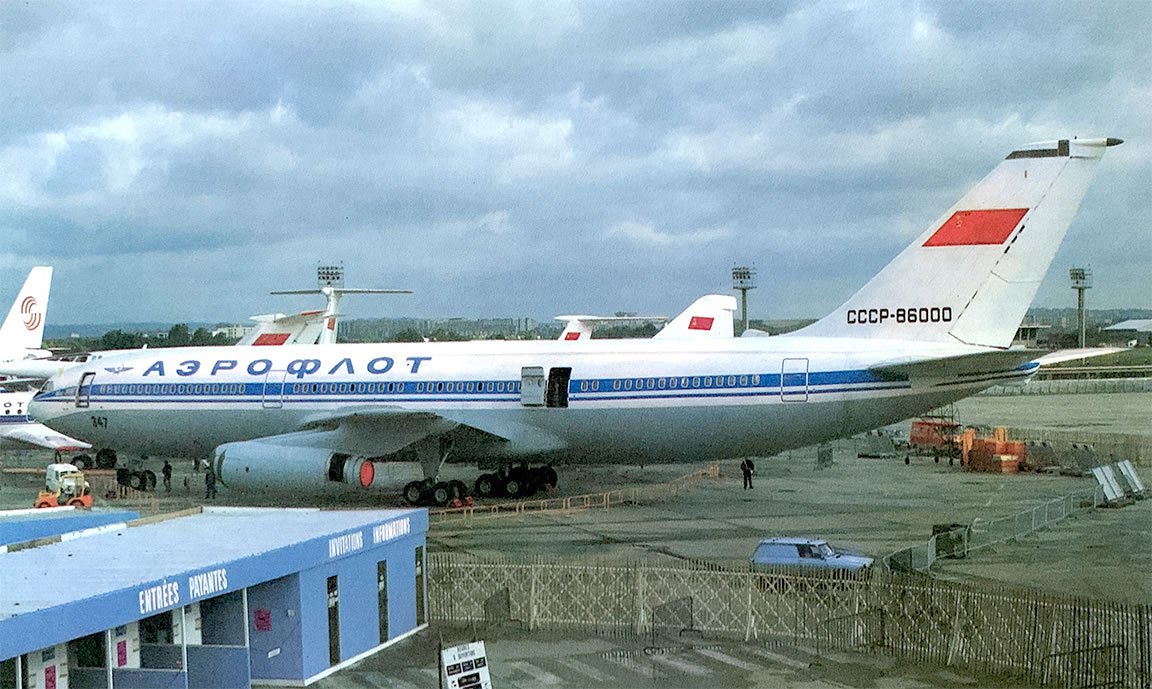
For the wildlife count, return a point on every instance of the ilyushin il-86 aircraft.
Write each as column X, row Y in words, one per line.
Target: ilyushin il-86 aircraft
column 934, row 326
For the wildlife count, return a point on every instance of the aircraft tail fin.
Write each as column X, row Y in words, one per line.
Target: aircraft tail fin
column 971, row 276
column 581, row 327
column 306, row 327
column 24, row 326
column 709, row 316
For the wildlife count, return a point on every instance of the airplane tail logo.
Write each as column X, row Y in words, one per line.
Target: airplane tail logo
column 32, row 317
column 24, row 326
column 971, row 276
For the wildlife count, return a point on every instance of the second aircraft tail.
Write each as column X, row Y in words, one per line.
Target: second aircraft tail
column 24, row 326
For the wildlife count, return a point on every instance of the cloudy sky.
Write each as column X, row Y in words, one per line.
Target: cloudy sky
column 176, row 161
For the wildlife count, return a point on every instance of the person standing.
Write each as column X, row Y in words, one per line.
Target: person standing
column 209, row 483
column 747, row 468
column 166, row 472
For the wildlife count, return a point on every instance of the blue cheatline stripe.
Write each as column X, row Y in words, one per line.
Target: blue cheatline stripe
column 757, row 386
column 15, row 419
column 661, row 387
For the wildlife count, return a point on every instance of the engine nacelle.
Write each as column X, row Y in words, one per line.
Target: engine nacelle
column 265, row 467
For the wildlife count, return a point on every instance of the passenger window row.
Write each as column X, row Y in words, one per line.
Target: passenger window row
column 671, row 383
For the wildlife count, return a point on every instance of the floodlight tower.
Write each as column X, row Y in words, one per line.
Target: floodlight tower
column 1081, row 281
column 744, row 279
column 330, row 283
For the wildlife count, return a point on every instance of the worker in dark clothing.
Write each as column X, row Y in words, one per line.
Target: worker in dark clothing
column 747, row 468
column 209, row 483
column 166, row 472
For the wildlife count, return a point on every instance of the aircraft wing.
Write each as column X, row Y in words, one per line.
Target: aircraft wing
column 376, row 431
column 383, row 430
column 39, row 435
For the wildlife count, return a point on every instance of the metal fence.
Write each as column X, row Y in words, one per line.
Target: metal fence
column 982, row 533
column 570, row 503
column 1071, row 387
column 1043, row 638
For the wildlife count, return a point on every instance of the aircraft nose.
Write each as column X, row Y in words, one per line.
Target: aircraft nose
column 39, row 407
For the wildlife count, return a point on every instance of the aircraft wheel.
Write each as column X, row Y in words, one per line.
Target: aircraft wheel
column 414, row 493
column 43, row 504
column 486, row 485
column 440, row 494
column 136, row 481
column 75, row 502
column 458, row 489
column 106, row 458
column 550, row 476
column 82, row 462
column 149, row 480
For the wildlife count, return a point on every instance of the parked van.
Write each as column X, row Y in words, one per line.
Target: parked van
column 806, row 552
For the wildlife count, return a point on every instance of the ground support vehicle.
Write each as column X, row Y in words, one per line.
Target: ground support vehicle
column 64, row 485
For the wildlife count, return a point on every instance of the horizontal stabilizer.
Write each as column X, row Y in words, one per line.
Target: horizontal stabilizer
column 1062, row 355
column 974, row 365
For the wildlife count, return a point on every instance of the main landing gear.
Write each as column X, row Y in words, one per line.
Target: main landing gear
column 518, row 481
column 431, row 493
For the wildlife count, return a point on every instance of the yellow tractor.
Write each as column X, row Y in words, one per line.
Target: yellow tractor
column 64, row 485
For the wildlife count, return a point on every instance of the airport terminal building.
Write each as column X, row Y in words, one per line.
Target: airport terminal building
column 213, row 597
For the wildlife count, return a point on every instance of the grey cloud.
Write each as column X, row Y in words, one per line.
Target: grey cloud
column 483, row 153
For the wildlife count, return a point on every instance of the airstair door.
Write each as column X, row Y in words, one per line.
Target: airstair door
column 794, row 380
column 273, row 397
column 84, row 390
column 532, row 387
column 558, row 381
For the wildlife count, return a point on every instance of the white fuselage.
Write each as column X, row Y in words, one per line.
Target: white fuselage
column 627, row 400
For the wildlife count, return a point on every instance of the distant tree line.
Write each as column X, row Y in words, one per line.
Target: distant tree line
column 178, row 336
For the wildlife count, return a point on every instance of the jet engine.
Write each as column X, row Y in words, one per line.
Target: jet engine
column 266, row 467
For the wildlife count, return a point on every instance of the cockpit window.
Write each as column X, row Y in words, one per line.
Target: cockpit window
column 47, row 387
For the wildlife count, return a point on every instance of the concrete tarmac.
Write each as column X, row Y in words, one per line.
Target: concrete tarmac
column 873, row 505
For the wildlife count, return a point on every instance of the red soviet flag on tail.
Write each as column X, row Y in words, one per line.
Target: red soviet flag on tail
column 968, row 228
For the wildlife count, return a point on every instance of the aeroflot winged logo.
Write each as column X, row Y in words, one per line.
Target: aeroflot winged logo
column 118, row 369
column 971, row 228
column 32, row 317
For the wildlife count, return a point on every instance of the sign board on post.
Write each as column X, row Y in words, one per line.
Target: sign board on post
column 466, row 666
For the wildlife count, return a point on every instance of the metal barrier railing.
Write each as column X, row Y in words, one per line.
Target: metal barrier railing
column 605, row 500
column 981, row 533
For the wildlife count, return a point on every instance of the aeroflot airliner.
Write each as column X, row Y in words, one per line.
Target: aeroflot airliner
column 932, row 327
